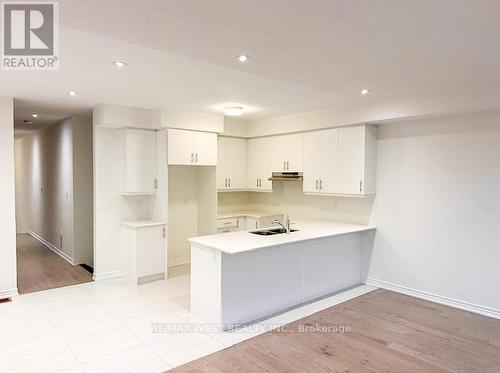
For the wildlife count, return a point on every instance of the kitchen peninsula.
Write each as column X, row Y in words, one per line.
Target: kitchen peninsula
column 240, row 277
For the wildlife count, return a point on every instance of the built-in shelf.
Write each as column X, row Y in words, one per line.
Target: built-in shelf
column 142, row 223
column 152, row 193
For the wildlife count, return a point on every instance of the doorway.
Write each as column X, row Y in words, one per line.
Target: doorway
column 54, row 191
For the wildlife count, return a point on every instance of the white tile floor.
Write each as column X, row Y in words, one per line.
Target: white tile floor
column 106, row 326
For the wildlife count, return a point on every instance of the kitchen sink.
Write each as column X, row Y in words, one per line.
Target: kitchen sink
column 271, row 232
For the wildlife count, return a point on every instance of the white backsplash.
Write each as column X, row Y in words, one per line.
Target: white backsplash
column 288, row 197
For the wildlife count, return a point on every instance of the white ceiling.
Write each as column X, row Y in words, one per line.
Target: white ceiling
column 304, row 55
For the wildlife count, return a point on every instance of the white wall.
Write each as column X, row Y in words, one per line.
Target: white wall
column 83, row 189
column 44, row 173
column 8, row 273
column 438, row 207
column 54, row 187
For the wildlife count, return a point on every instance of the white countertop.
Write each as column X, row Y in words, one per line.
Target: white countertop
column 241, row 241
column 142, row 223
column 251, row 213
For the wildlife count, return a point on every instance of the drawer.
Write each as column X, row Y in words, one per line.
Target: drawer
column 228, row 223
column 227, row 230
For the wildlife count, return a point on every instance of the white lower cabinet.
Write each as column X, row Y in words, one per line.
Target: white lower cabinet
column 230, row 224
column 146, row 247
column 245, row 223
column 263, row 222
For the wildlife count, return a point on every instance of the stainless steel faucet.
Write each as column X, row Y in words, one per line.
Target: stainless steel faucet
column 285, row 224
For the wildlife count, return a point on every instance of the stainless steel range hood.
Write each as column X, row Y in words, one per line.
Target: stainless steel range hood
column 286, row 176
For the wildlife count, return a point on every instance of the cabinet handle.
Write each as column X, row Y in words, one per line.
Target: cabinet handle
column 288, row 165
column 257, row 183
column 163, row 232
column 156, row 183
column 260, row 183
column 284, row 165
column 321, row 184
column 225, row 183
column 192, row 157
column 229, row 182
column 196, row 158
column 361, row 186
column 237, row 223
column 256, row 224
column 317, row 185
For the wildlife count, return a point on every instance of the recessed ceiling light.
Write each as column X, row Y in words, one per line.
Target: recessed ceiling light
column 233, row 111
column 119, row 64
column 365, row 91
column 35, row 115
column 72, row 93
column 28, row 122
column 243, row 58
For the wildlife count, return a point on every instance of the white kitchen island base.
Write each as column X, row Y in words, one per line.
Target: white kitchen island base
column 239, row 288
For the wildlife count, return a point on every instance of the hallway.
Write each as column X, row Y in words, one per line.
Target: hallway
column 38, row 268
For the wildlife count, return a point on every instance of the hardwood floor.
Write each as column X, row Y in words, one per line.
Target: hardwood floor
column 388, row 332
column 38, row 268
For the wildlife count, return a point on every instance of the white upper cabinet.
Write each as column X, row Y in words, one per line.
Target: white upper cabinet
column 139, row 161
column 328, row 161
column 311, row 162
column 287, row 154
column 231, row 163
column 340, row 161
column 192, row 148
column 357, row 160
column 260, row 154
column 320, row 161
column 180, row 147
column 205, row 147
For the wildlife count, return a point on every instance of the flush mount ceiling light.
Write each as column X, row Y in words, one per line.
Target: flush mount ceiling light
column 34, row 115
column 28, row 122
column 243, row 58
column 72, row 93
column 233, row 111
column 119, row 64
column 365, row 91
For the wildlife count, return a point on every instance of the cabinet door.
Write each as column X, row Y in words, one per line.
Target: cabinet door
column 205, row 146
column 293, row 151
column 351, row 160
column 231, row 163
column 251, row 223
column 150, row 251
column 140, row 161
column 311, row 162
column 223, row 160
column 180, row 147
column 260, row 153
column 328, row 161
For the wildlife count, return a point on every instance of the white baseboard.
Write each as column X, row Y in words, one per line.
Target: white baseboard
column 455, row 303
column 61, row 253
column 106, row 275
column 178, row 262
column 8, row 293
